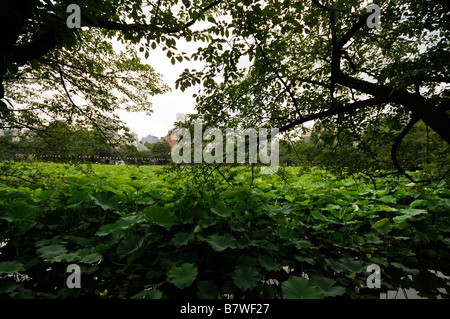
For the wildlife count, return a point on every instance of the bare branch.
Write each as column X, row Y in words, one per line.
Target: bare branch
column 288, row 87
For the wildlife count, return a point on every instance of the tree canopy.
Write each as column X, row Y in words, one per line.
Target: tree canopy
column 267, row 63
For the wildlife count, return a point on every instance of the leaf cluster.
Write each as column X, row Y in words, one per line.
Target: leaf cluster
column 141, row 234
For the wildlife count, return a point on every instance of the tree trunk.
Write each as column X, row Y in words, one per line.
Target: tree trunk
column 13, row 17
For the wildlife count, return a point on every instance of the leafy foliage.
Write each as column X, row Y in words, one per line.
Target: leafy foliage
column 300, row 288
column 79, row 86
column 296, row 235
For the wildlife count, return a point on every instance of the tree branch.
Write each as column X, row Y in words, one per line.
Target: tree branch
column 111, row 25
column 288, row 88
column 334, row 111
column 323, row 7
column 396, row 146
column 433, row 116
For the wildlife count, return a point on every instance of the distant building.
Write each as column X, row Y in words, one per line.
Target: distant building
column 150, row 139
column 172, row 138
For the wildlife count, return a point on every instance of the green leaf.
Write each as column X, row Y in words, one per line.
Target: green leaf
column 379, row 261
column 410, row 271
column 330, row 207
column 45, row 195
column 388, row 199
column 19, row 211
column 106, row 200
column 280, row 213
column 70, row 257
column 334, row 264
column 245, row 277
column 302, row 244
column 229, row 193
column 11, row 267
column 7, row 286
column 380, row 223
column 159, row 216
column 349, row 265
column 418, row 203
column 137, row 185
column 105, row 230
column 328, row 286
column 207, row 221
column 408, row 214
column 183, row 276
column 222, row 211
column 269, row 263
column 78, row 180
column 207, row 289
column 289, row 198
column 385, row 208
column 220, row 243
column 91, row 258
column 182, row 238
column 77, row 199
column 51, row 251
column 304, row 259
column 148, row 294
column 286, row 233
column 384, row 228
column 126, row 222
column 129, row 245
column 300, row 288
column 122, row 223
column 184, row 216
column 372, row 238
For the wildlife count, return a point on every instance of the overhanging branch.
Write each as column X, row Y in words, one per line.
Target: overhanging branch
column 111, row 25
column 426, row 110
column 397, row 144
column 334, row 111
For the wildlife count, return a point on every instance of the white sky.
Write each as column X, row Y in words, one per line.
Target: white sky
column 165, row 106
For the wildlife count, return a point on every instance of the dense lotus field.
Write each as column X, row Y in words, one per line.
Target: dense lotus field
column 219, row 232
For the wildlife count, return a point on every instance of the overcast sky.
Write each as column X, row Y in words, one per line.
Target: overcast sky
column 165, row 106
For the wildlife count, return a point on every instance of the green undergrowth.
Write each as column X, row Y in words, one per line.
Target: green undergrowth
column 219, row 232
